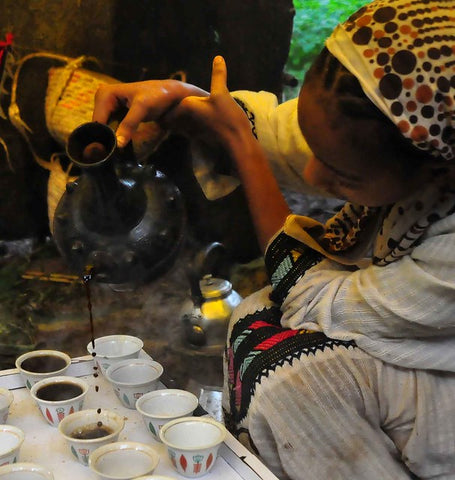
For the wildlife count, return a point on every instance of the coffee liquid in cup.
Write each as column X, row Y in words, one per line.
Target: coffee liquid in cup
column 43, row 364
column 56, row 392
column 91, row 431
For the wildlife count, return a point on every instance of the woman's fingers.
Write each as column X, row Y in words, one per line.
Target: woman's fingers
column 136, row 114
column 219, row 76
column 106, row 102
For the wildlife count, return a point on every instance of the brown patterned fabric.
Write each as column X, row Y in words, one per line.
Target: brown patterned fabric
column 403, row 54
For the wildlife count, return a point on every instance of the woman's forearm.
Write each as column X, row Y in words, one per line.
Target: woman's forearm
column 267, row 204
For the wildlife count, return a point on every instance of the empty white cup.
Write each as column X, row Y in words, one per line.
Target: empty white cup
column 164, row 405
column 11, row 439
column 193, row 444
column 133, row 378
column 25, row 471
column 111, row 349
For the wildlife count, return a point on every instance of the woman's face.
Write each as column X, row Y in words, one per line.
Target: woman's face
column 349, row 161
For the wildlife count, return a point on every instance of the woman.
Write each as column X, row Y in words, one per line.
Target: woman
column 345, row 366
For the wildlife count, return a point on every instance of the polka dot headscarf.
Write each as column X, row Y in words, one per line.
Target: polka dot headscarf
column 403, row 54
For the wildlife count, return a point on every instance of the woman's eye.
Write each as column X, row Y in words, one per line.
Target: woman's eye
column 347, row 184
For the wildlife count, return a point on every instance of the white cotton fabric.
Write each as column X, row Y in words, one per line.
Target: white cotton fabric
column 279, row 134
column 402, row 313
column 343, row 414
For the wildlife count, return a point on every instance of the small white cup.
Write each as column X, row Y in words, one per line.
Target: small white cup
column 155, row 477
column 11, row 439
column 162, row 406
column 192, row 444
column 133, row 378
column 58, row 397
column 39, row 364
column 87, row 430
column 6, row 399
column 111, row 349
column 25, row 470
column 123, row 460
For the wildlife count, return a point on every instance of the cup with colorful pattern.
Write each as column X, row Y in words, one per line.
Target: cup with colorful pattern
column 11, row 440
column 133, row 378
column 39, row 364
column 86, row 430
column 193, row 444
column 6, row 399
column 25, row 471
column 111, row 349
column 58, row 397
column 164, row 405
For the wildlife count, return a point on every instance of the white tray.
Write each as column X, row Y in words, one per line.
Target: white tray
column 44, row 445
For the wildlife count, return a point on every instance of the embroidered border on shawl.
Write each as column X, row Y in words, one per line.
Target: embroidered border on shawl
column 287, row 260
column 249, row 114
column 258, row 345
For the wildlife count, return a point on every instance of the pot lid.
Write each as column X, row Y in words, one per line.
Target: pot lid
column 212, row 287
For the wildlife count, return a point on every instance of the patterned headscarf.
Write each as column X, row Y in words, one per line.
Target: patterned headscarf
column 403, row 54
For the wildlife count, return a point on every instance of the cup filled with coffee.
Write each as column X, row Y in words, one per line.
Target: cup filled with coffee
column 86, row 430
column 132, row 378
column 39, row 364
column 58, row 397
column 110, row 349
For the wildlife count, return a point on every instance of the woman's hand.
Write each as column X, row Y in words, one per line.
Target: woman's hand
column 145, row 101
column 217, row 117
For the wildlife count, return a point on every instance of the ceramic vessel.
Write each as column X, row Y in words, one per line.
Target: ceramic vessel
column 123, row 460
column 164, row 405
column 56, row 407
column 87, row 430
column 43, row 364
column 6, row 399
column 193, row 444
column 133, row 378
column 25, row 471
column 112, row 349
column 11, row 439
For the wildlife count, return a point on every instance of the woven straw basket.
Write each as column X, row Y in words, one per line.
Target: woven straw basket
column 69, row 102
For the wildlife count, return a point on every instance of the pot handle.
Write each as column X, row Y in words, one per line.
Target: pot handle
column 208, row 261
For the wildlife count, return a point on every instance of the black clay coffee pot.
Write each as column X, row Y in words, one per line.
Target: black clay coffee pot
column 122, row 221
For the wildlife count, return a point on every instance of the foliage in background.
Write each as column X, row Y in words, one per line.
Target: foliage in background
column 313, row 22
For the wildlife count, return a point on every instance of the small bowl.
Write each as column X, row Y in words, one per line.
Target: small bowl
column 25, row 471
column 155, row 477
column 123, row 460
column 133, row 378
column 87, row 430
column 6, row 399
column 192, row 444
column 11, row 439
column 162, row 406
column 111, row 349
column 38, row 364
column 58, row 397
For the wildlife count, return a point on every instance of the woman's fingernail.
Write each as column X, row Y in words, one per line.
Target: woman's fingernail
column 218, row 59
column 121, row 142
